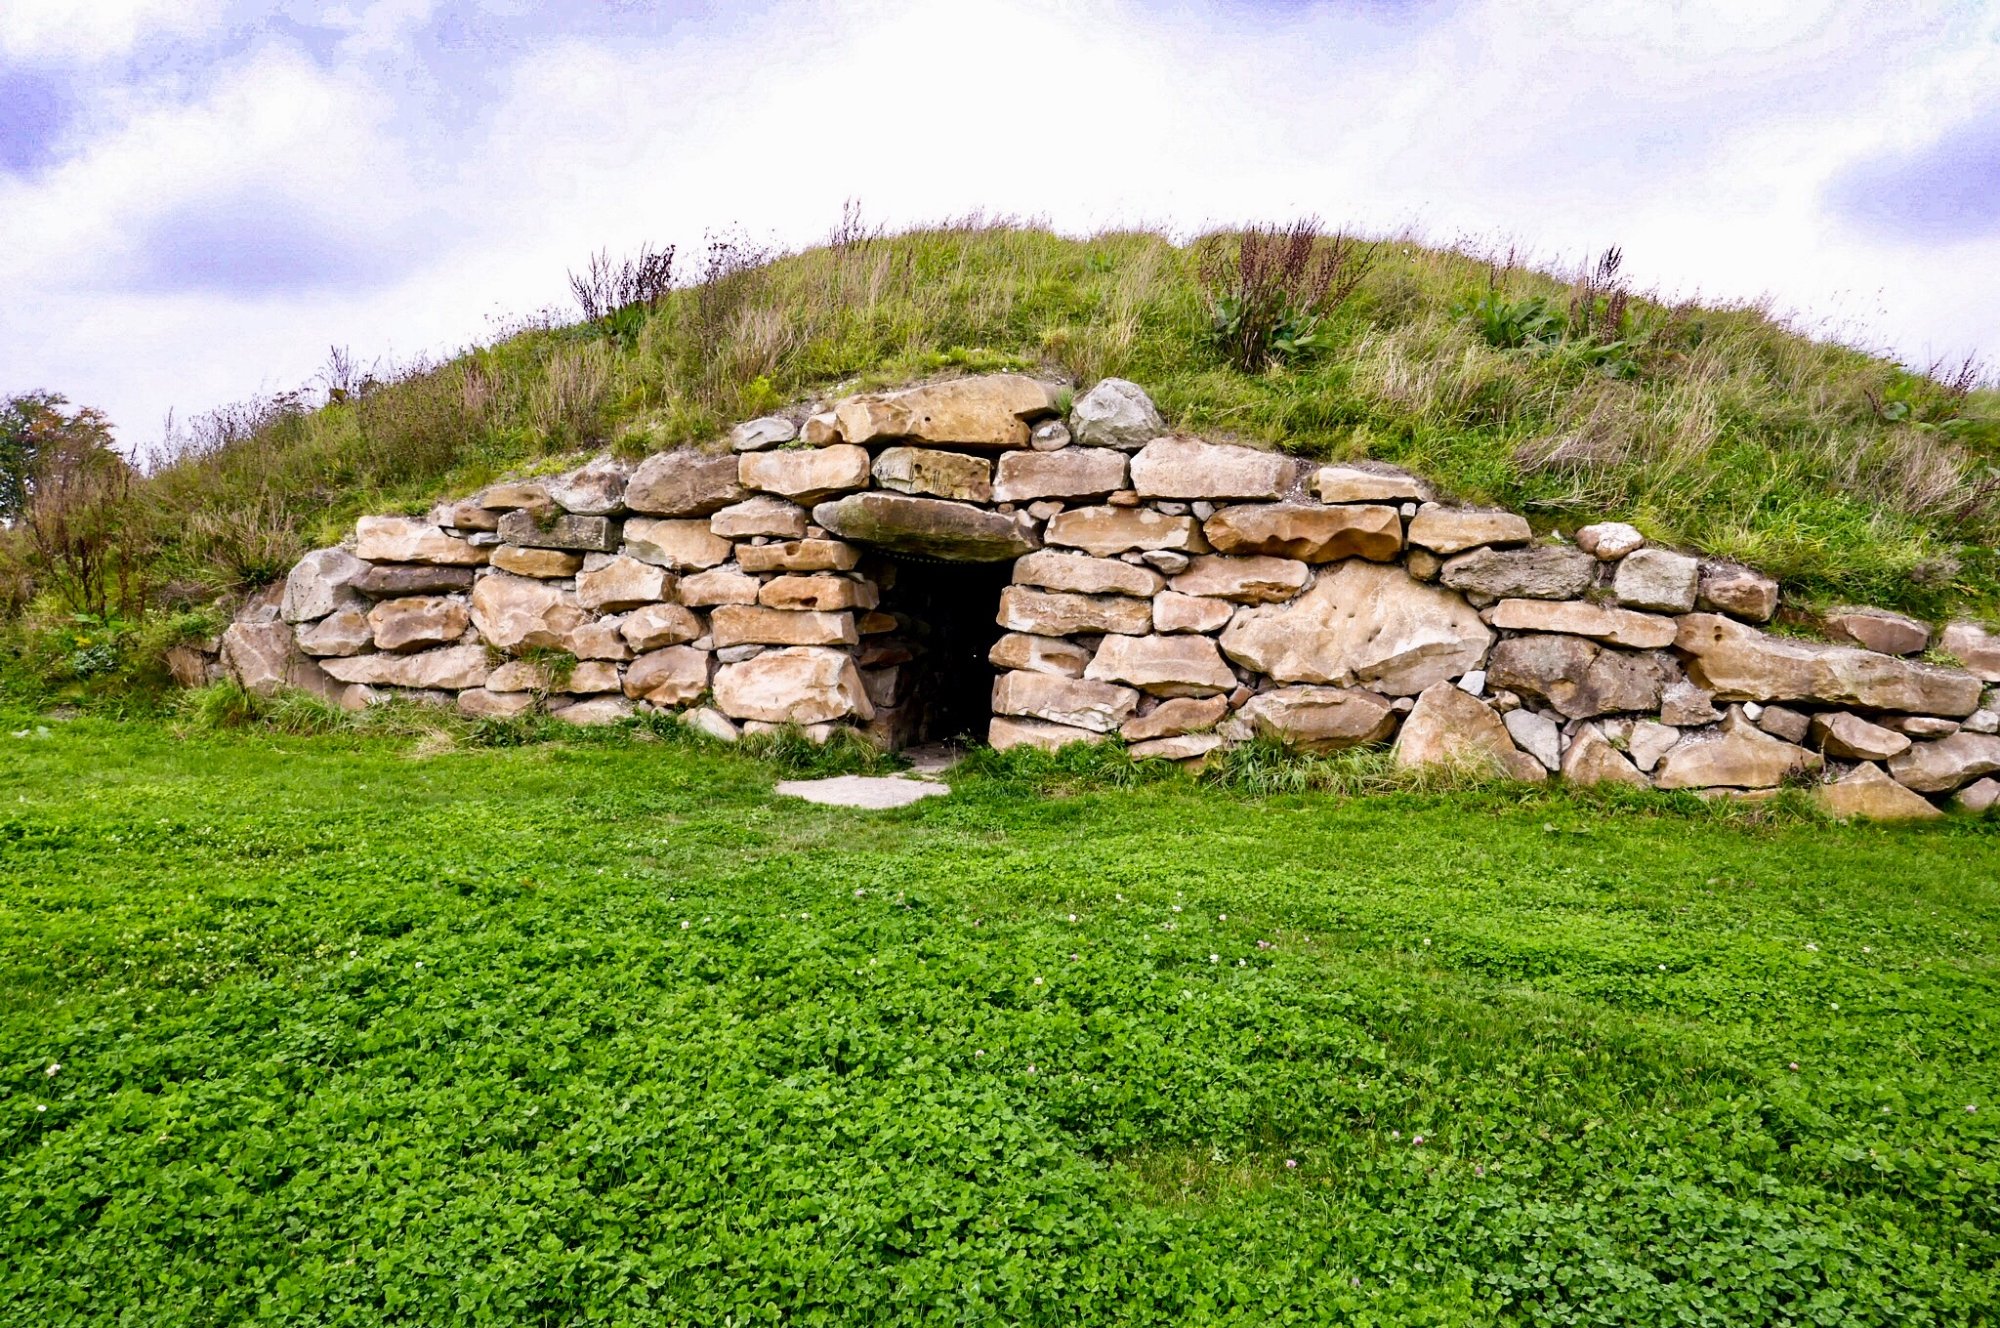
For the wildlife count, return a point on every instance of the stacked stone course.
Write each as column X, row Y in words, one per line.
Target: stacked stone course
column 1178, row 594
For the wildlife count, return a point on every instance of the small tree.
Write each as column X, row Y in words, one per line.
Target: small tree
column 83, row 536
column 27, row 423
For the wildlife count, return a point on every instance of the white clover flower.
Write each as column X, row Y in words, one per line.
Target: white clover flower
column 1291, row 1162
column 1038, row 981
column 1215, row 959
column 53, row 1067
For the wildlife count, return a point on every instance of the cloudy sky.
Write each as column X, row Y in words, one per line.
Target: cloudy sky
column 199, row 197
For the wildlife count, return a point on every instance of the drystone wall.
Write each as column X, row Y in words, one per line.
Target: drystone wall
column 1177, row 594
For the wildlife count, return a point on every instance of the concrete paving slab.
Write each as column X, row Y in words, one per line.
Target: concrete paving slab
column 872, row 793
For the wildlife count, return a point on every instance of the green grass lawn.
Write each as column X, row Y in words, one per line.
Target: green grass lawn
column 353, row 1031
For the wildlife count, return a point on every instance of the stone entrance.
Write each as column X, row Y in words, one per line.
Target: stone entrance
column 946, row 614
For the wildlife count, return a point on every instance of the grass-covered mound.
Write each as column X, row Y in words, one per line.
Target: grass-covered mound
column 351, row 1030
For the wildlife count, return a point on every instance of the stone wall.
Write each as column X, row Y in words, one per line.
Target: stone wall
column 1177, row 594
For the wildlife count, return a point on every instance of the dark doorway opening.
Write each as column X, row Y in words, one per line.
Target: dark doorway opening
column 941, row 687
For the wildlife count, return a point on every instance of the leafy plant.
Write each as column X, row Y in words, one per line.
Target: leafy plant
column 1270, row 290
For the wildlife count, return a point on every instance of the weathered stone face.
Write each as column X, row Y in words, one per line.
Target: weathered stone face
column 1877, row 629
column 1115, row 413
column 544, row 564
column 670, row 677
column 1189, row 468
column 515, row 613
column 1163, row 665
column 1977, row 647
column 1310, row 534
column 596, row 488
column 396, row 580
column 1053, row 570
column 927, row 471
column 1452, row 530
column 657, row 625
column 719, row 585
column 762, row 515
column 1362, row 624
column 755, row 625
column 1544, row 572
column 264, row 657
column 453, row 668
column 623, row 583
column 1041, row 654
column 479, row 703
column 759, row 434
column 1738, row 592
column 321, row 583
column 1175, row 612
column 1738, row 755
column 1608, row 541
column 1581, row 678
column 1320, row 719
column 1592, row 760
column 1057, row 613
column 1657, row 579
column 1246, row 580
column 1853, row 738
column 796, row 685
column 1451, row 728
column 590, row 677
column 1174, row 717
column 685, row 544
column 806, row 476
column 510, row 494
column 928, row 527
column 1078, row 702
column 806, row 555
column 1536, row 734
column 989, row 411
column 1941, row 766
column 536, row 528
column 401, row 539
column 1105, row 531
column 597, row 711
column 822, row 592
column 602, row 638
column 1868, row 794
column 1612, row 626
column 1007, row 732
column 684, row 483
column 345, row 632
column 417, row 623
column 1347, row 484
column 1071, row 473
column 1740, row 663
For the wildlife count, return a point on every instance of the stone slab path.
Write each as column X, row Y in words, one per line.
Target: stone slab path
column 872, row 793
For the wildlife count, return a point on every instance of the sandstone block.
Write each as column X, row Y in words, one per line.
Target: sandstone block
column 806, row 476
column 1739, row 663
column 1073, row 472
column 1978, row 796
column 806, row 555
column 796, row 685
column 479, row 703
column 510, row 494
column 1590, row 760
column 623, row 583
column 1172, row 718
column 685, row 544
column 591, row 677
column 417, row 623
column 1364, row 624
column 1657, row 579
column 924, row 470
column 1977, row 647
column 401, row 539
column 1106, row 531
column 1737, row 755
column 1007, row 732
column 991, row 410
column 1608, row 541
column 1080, row 703
column 1041, row 654
column 265, row 657
column 1545, row 571
column 1183, row 747
column 1175, row 612
column 1650, row 742
column 821, row 592
column 601, row 638
column 755, row 625
column 1057, row 613
column 1349, row 484
column 470, row 516
column 396, row 580
column 927, row 527
column 1943, row 765
column 516, row 613
column 1877, row 629
column 594, row 713
column 758, row 434
column 1053, row 570
column 345, row 632
column 655, row 625
column 1581, row 678
column 1535, row 734
column 1247, row 580
column 713, row 723
column 1779, row 722
column 1311, row 534
column 596, row 488
column 719, row 585
column 1738, row 592
column 1115, row 413
column 1191, row 468
column 685, row 483
column 1449, row 727
column 1163, row 665
column 1852, row 738
column 1599, row 622
column 1320, row 719
column 1452, row 530
column 545, row 564
column 762, row 515
column 321, row 583
column 541, row 528
column 1687, row 706
column 1868, row 794
column 668, row 678
column 451, row 669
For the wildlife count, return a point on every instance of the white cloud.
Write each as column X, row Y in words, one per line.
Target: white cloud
column 91, row 30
